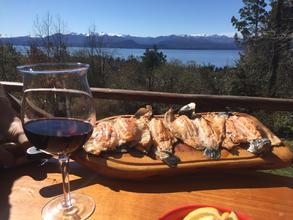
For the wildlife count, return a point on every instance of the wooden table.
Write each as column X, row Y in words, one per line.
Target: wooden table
column 24, row 190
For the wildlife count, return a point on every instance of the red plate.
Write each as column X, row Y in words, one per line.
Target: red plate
column 181, row 212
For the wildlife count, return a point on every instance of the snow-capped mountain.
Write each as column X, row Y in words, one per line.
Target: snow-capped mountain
column 192, row 41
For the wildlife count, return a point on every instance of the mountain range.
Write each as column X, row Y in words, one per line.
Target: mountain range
column 216, row 42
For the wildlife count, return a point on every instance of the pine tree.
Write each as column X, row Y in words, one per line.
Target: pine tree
column 151, row 60
column 265, row 67
column 251, row 75
column 280, row 34
column 253, row 17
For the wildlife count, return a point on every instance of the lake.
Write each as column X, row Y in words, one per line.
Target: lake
column 219, row 58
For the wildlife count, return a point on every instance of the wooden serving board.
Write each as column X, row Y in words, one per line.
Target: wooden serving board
column 136, row 165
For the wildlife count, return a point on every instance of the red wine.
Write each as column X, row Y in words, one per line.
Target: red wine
column 58, row 135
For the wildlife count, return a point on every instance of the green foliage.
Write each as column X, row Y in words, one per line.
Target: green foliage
column 281, row 123
column 265, row 67
column 174, row 77
column 279, row 34
column 253, row 18
column 60, row 52
column 152, row 58
column 35, row 54
column 9, row 59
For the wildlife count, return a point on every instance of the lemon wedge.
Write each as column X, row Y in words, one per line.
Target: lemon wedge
column 206, row 213
column 229, row 216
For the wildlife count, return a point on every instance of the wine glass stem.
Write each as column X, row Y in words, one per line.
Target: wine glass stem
column 64, row 161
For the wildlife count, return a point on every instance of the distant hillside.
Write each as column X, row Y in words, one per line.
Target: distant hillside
column 220, row 42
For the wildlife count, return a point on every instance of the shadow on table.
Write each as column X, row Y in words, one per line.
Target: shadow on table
column 200, row 181
column 185, row 183
column 38, row 172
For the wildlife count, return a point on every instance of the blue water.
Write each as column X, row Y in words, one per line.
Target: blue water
column 219, row 58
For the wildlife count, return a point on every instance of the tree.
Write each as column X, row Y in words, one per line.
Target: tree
column 253, row 18
column 9, row 59
column 35, row 54
column 95, row 41
column 97, row 57
column 51, row 31
column 151, row 60
column 280, row 33
column 44, row 30
column 251, row 76
column 266, row 66
column 59, row 40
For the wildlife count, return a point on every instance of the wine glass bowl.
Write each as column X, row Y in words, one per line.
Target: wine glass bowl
column 58, row 115
column 56, row 90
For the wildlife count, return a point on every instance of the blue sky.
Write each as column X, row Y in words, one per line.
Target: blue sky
column 134, row 17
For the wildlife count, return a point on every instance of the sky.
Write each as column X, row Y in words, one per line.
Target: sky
column 132, row 17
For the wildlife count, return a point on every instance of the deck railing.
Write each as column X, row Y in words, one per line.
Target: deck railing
column 204, row 102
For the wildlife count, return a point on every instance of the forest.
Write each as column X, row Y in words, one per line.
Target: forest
column 265, row 68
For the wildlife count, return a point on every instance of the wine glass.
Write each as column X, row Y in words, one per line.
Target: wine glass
column 58, row 116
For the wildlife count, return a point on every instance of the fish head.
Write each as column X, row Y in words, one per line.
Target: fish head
column 144, row 112
column 187, row 110
column 169, row 116
column 259, row 146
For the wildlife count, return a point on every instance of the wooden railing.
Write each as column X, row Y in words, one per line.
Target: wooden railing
column 204, row 102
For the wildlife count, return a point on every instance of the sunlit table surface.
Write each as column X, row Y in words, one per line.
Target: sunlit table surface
column 24, row 190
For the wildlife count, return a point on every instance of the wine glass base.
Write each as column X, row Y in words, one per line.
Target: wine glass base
column 82, row 208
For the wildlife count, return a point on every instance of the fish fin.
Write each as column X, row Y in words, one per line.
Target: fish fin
column 171, row 161
column 211, row 153
column 168, row 158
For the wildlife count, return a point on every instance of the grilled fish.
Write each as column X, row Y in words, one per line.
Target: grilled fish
column 207, row 138
column 143, row 117
column 163, row 142
column 183, row 129
column 103, row 138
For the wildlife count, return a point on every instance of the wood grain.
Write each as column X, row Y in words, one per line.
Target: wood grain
column 261, row 196
column 130, row 166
